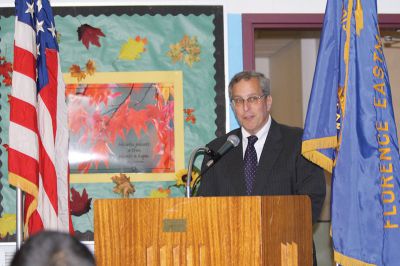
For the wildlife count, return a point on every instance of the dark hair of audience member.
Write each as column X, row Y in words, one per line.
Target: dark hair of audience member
column 53, row 249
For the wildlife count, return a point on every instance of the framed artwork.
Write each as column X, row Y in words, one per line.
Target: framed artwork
column 125, row 122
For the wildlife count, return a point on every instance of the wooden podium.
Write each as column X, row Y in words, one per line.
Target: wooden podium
column 272, row 230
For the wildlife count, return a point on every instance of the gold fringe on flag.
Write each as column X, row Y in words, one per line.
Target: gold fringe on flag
column 29, row 188
column 309, row 150
column 347, row 261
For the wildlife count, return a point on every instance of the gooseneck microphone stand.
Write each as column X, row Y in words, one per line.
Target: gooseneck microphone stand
column 193, row 155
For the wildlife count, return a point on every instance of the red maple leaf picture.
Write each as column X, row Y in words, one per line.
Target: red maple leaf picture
column 89, row 35
column 5, row 71
column 80, row 203
column 121, row 128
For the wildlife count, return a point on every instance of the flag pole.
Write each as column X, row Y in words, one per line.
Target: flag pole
column 19, row 218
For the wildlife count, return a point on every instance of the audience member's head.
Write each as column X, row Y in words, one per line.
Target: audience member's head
column 53, row 249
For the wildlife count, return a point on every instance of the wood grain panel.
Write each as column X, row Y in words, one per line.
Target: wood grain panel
column 288, row 221
column 219, row 230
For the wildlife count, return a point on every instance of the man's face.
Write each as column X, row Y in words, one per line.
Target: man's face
column 251, row 116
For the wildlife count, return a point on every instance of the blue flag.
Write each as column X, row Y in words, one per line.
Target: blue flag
column 350, row 131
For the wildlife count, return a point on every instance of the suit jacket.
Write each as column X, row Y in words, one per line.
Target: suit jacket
column 281, row 170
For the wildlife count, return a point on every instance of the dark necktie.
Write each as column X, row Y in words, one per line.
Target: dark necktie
column 250, row 164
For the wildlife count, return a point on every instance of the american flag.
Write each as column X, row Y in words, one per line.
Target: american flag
column 38, row 133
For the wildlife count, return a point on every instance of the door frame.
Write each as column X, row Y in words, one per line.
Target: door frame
column 251, row 22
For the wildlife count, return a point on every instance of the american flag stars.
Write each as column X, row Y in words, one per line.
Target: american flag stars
column 39, row 5
column 37, row 14
column 30, row 9
column 39, row 26
column 52, row 29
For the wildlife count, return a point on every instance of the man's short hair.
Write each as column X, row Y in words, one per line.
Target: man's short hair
column 246, row 75
column 53, row 249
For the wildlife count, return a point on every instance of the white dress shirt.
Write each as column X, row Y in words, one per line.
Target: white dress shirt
column 261, row 135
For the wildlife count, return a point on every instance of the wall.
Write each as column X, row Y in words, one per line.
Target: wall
column 232, row 6
column 309, row 52
column 286, row 88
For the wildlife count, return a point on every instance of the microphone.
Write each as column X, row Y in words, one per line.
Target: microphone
column 230, row 143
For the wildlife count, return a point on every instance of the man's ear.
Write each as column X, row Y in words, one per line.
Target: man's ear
column 269, row 102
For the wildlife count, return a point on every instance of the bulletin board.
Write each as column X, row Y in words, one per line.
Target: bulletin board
column 149, row 61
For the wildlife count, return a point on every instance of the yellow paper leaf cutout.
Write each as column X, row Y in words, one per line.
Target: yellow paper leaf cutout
column 80, row 73
column 175, row 52
column 186, row 50
column 123, row 185
column 7, row 224
column 90, row 67
column 133, row 48
column 77, row 72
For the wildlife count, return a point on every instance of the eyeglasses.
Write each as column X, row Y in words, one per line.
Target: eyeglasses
column 251, row 100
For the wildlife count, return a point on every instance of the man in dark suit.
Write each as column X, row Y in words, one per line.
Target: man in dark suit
column 268, row 159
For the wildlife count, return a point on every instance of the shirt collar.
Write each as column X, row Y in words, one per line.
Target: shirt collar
column 261, row 134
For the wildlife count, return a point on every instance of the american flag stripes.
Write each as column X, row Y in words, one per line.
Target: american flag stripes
column 38, row 133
